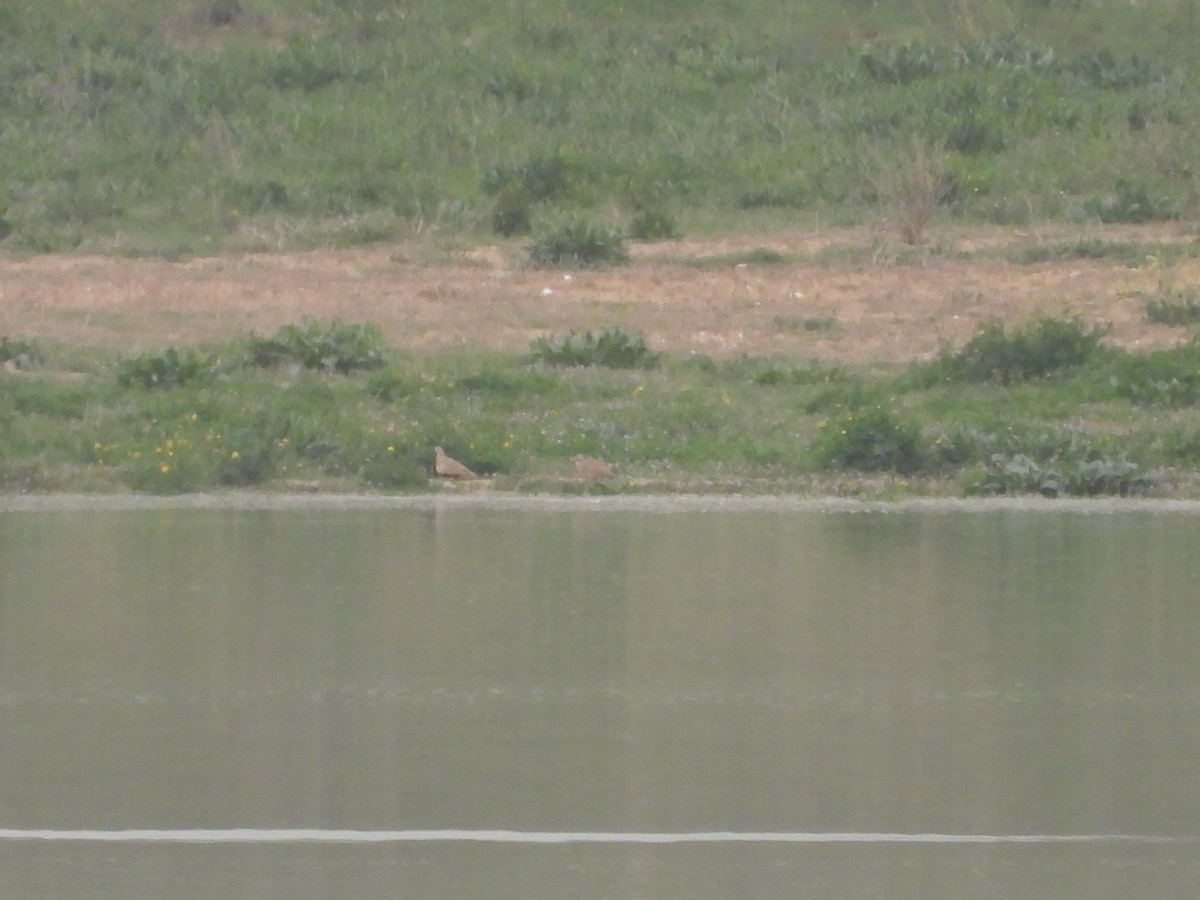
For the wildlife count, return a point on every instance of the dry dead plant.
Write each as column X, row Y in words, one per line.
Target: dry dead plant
column 910, row 179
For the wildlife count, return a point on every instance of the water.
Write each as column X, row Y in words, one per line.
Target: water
column 444, row 699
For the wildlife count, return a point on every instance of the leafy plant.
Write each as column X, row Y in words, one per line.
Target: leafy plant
column 578, row 243
column 511, row 211
column 613, row 348
column 390, row 386
column 338, row 347
column 1103, row 68
column 1088, row 477
column 1164, row 378
column 541, row 178
column 1009, row 50
column 517, row 189
column 913, row 61
column 1131, row 203
column 653, row 225
column 166, row 369
column 1174, row 306
column 905, row 63
column 870, row 440
column 1034, row 350
column 23, row 351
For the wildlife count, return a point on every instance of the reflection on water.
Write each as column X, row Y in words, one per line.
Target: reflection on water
column 577, row 670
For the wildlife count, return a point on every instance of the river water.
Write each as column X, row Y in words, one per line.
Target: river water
column 576, row 699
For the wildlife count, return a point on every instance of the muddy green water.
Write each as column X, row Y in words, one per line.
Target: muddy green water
column 902, row 697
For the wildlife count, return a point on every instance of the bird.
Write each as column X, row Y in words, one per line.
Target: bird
column 448, row 467
column 590, row 468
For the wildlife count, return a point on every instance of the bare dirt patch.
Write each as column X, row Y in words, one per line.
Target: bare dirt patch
column 428, row 299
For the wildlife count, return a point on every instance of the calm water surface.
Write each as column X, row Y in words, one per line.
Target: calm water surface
column 569, row 669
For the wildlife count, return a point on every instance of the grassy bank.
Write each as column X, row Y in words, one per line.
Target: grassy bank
column 196, row 126
column 201, row 127
column 1045, row 408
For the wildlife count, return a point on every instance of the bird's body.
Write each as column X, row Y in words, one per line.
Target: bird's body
column 448, row 467
column 591, row 469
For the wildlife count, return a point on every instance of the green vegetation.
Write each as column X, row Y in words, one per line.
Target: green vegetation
column 1033, row 351
column 614, row 348
column 870, row 440
column 197, row 126
column 20, row 352
column 170, row 368
column 202, row 126
column 1174, row 306
column 578, row 244
column 1074, row 477
column 339, row 347
column 1048, row 408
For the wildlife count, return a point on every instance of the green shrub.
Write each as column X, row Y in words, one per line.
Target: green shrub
column 653, row 225
column 517, row 189
column 1181, row 445
column 913, row 61
column 338, row 347
column 1007, row 51
column 249, row 458
column 1103, row 68
column 1174, row 307
column 1035, row 350
column 390, row 386
column 1131, row 203
column 1048, row 461
column 613, row 348
column 63, row 401
column 1166, row 378
column 870, row 440
column 23, row 351
column 906, row 63
column 511, row 212
column 1087, row 477
column 973, row 134
column 167, row 369
column 541, row 178
column 962, row 445
column 579, row 243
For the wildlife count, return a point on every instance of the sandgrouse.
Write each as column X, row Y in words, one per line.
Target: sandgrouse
column 448, row 467
column 591, row 469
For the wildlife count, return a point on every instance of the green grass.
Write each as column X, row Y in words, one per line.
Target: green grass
column 1099, row 421
column 169, row 128
column 1174, row 306
column 192, row 127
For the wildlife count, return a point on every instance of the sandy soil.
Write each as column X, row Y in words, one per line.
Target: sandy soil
column 427, row 299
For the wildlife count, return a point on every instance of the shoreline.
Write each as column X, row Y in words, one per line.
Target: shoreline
column 506, row 502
